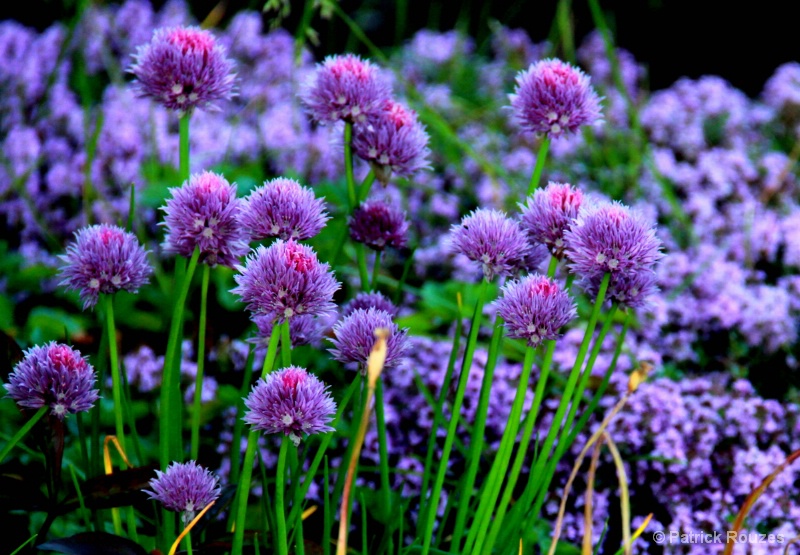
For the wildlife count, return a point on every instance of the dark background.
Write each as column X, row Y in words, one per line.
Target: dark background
column 673, row 38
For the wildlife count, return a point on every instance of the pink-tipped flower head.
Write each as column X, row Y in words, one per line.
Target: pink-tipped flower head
column 379, row 224
column 204, row 213
column 286, row 280
column 354, row 337
column 345, row 88
column 290, row 401
column 549, row 213
column 491, row 239
column 104, row 259
column 186, row 488
column 285, row 209
column 392, row 141
column 56, row 376
column 553, row 98
column 535, row 308
column 183, row 68
column 373, row 299
column 610, row 237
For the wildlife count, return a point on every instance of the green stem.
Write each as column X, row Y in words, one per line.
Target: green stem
column 237, row 428
column 116, row 386
column 348, row 166
column 183, row 131
column 250, row 454
column 527, row 433
column 537, row 170
column 366, row 185
column 380, row 417
column 361, row 255
column 187, row 541
column 477, row 436
column 170, row 417
column 201, row 355
column 466, row 366
column 286, row 344
column 22, row 432
column 551, row 267
column 376, row 267
column 500, row 464
column 280, row 508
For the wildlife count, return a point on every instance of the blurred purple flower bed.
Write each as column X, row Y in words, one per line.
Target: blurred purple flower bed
column 715, row 169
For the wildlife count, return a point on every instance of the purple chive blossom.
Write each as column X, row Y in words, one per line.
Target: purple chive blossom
column 548, row 214
column 345, row 88
column 366, row 301
column 104, row 259
column 493, row 240
column 379, row 224
column 553, row 98
column 183, row 68
column 285, row 280
column 392, row 141
column 55, row 376
column 186, row 488
column 610, row 237
column 631, row 289
column 204, row 213
column 285, row 209
column 303, row 329
column 290, row 401
column 535, row 308
column 354, row 337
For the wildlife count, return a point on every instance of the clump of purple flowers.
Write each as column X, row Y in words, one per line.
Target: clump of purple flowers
column 548, row 214
column 372, row 299
column 553, row 98
column 379, row 224
column 204, row 214
column 56, row 376
column 345, row 88
column 183, row 68
column 392, row 141
column 493, row 240
column 286, row 280
column 285, row 209
column 290, row 401
column 104, row 259
column 354, row 337
column 186, row 488
column 535, row 308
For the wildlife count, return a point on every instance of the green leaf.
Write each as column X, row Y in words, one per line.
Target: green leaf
column 48, row 324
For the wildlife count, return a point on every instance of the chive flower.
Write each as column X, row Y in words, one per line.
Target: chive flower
column 204, row 213
column 186, row 488
column 183, row 68
column 379, row 224
column 553, row 98
column 104, row 258
column 548, row 213
column 290, row 401
column 354, row 337
column 493, row 240
column 56, row 376
column 285, row 209
column 535, row 308
column 345, row 88
column 372, row 299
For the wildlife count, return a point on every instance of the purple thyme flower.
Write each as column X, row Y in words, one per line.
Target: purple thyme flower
column 304, row 329
column 535, row 308
column 610, row 237
column 104, row 259
column 204, row 213
column 285, row 209
column 285, row 280
column 290, row 401
column 553, row 98
column 392, row 141
column 186, row 488
column 548, row 214
column 183, row 68
column 490, row 238
column 345, row 88
column 354, row 337
column 56, row 376
column 379, row 224
column 373, row 299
